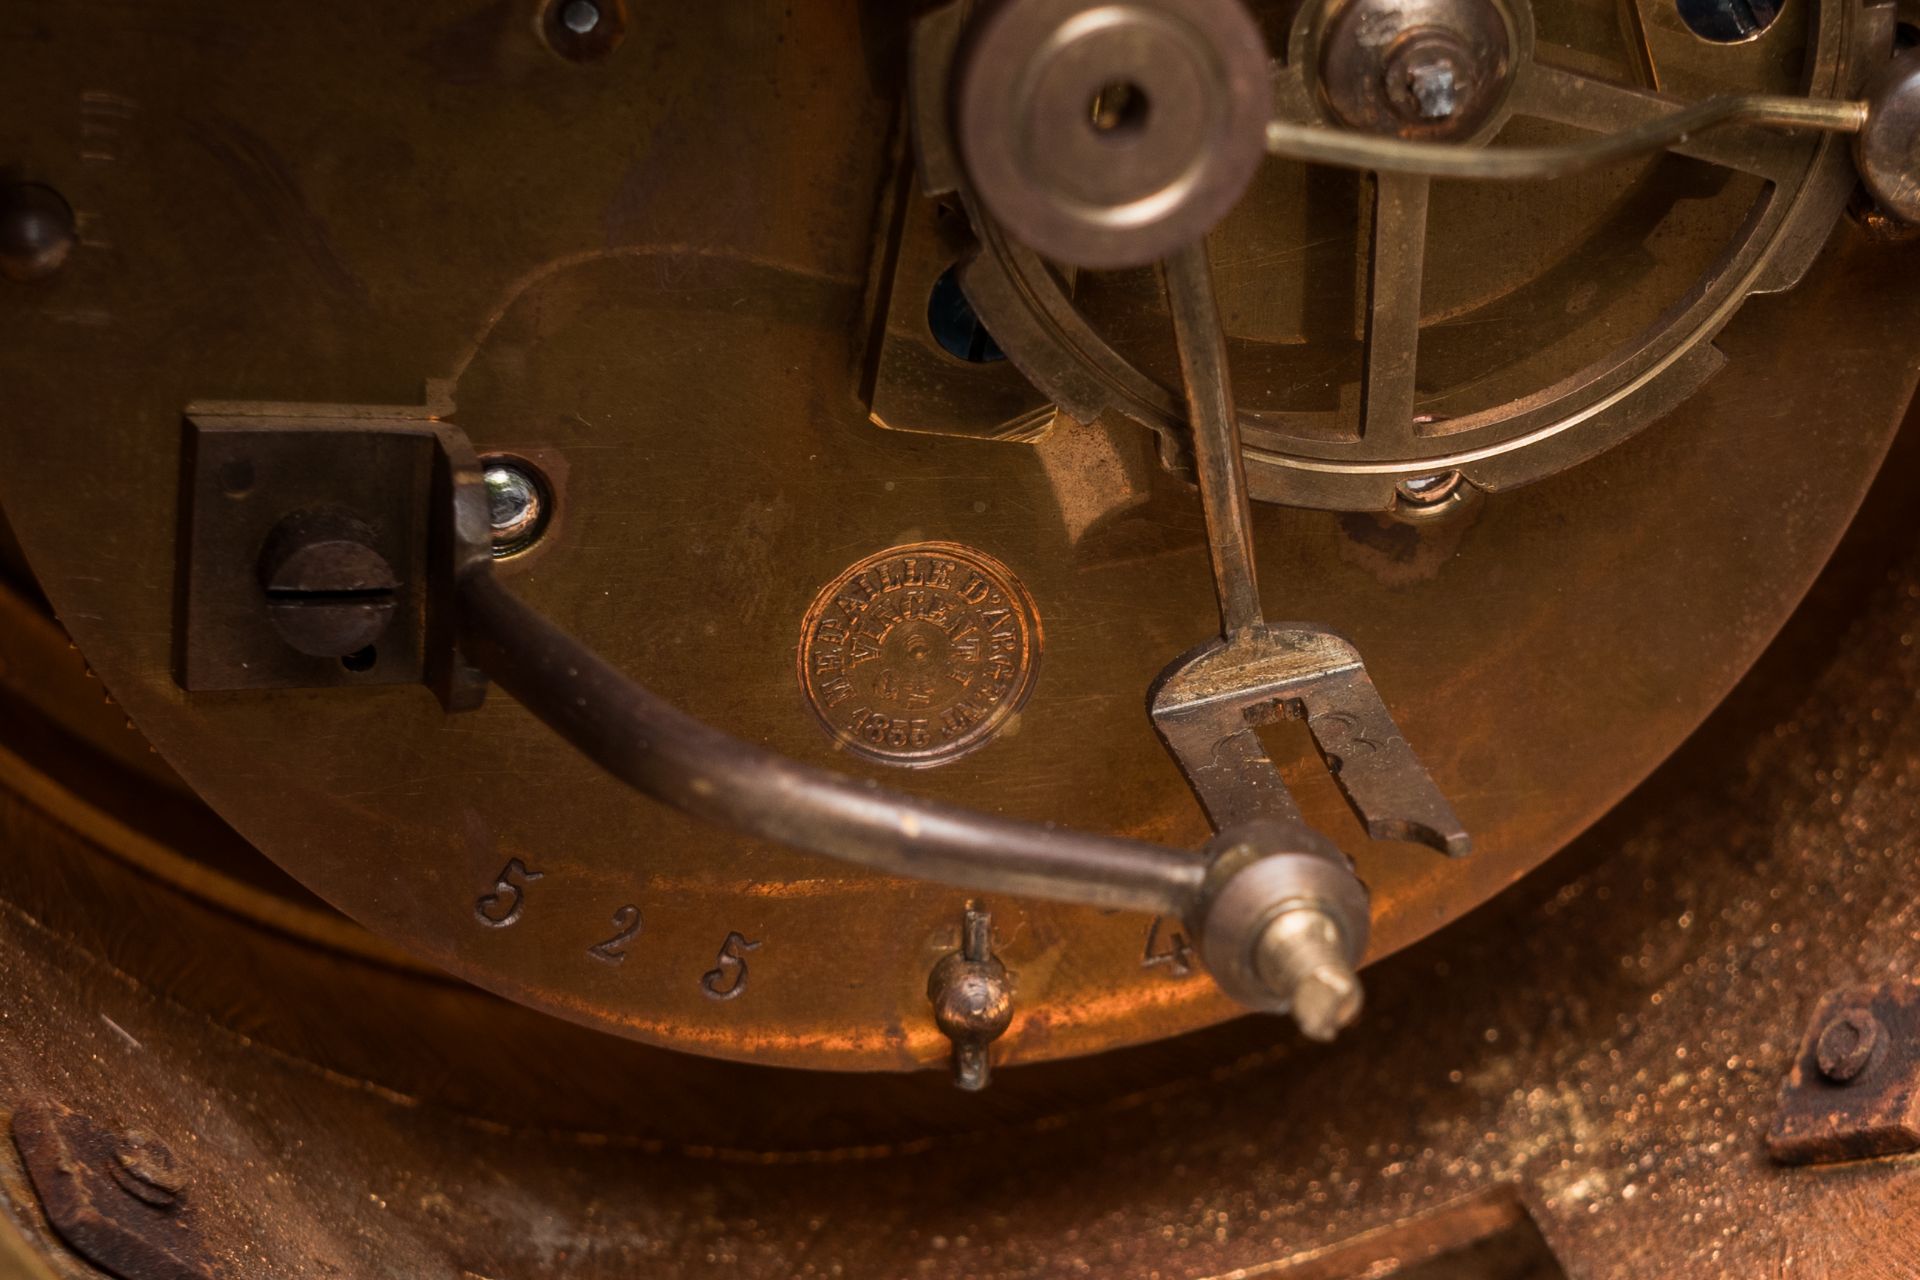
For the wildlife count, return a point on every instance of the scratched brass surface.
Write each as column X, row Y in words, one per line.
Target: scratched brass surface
column 618, row 268
column 1593, row 1058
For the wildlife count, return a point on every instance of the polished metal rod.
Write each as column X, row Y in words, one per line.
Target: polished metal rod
column 1220, row 468
column 1351, row 150
column 665, row 753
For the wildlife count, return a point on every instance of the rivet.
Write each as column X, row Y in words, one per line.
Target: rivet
column 1847, row 1044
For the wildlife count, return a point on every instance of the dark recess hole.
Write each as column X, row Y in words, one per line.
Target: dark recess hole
column 1119, row 109
column 1728, row 21
column 955, row 326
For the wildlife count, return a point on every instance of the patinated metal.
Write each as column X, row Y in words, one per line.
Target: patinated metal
column 702, row 514
column 118, row 1200
column 942, row 630
column 1854, row 1089
column 664, row 753
column 1109, row 135
column 311, row 532
column 912, row 381
column 1219, row 470
column 1288, row 921
column 1511, row 164
column 1885, row 148
column 1505, row 412
column 972, row 999
column 279, row 579
column 920, row 654
column 1209, row 705
column 1435, row 69
column 668, row 262
column 342, row 1122
column 420, row 482
column 328, row 591
column 1284, row 922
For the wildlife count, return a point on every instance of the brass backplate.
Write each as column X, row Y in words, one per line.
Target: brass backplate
column 655, row 266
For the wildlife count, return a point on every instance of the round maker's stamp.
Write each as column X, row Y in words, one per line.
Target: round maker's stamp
column 919, row 654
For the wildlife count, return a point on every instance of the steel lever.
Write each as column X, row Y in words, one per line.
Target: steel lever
column 1285, row 919
column 1209, row 703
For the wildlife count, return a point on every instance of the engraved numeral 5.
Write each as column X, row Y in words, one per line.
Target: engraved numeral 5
column 626, row 922
column 728, row 977
column 502, row 907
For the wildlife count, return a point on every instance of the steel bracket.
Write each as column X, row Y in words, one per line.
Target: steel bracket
column 411, row 482
column 1854, row 1088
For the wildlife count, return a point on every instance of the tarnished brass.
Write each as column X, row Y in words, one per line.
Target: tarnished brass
column 913, row 383
column 1287, row 919
column 1466, row 369
column 1885, row 148
column 1579, row 1082
column 598, row 293
column 1436, row 69
column 281, row 966
column 1108, row 135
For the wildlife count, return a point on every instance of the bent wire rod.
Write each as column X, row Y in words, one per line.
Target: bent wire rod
column 669, row 755
column 1351, row 150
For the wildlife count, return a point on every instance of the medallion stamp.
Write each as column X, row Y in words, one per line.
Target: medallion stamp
column 920, row 654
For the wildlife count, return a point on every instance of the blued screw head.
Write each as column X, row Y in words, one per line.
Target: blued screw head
column 1846, row 1045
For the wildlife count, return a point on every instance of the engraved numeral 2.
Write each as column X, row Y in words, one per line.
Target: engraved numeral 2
column 1178, row 957
column 728, row 977
column 500, row 908
column 626, row 923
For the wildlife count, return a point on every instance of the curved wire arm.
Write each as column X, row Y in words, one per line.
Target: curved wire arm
column 663, row 752
column 1346, row 149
